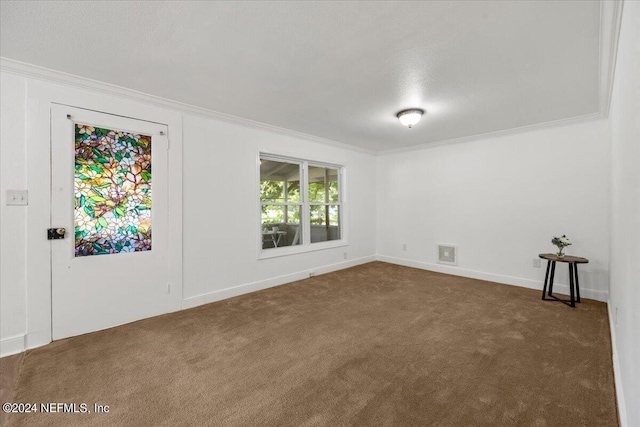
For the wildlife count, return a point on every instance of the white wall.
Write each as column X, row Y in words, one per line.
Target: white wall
column 220, row 229
column 13, row 320
column 501, row 200
column 220, row 209
column 625, row 216
column 25, row 286
column 505, row 195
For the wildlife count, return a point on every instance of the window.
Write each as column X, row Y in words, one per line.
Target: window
column 281, row 203
column 324, row 206
column 300, row 203
column 112, row 191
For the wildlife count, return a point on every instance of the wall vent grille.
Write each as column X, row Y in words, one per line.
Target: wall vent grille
column 448, row 254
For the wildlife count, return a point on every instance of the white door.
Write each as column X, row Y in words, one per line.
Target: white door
column 110, row 268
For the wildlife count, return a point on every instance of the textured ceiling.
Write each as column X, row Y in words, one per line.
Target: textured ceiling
column 336, row 70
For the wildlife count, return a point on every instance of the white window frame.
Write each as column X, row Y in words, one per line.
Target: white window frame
column 305, row 214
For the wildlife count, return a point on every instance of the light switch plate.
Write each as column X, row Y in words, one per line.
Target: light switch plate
column 17, row 197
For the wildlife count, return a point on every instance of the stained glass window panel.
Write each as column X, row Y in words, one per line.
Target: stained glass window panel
column 112, row 191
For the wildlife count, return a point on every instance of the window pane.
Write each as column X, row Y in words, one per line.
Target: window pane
column 272, row 214
column 275, row 177
column 293, row 191
column 323, row 185
column 112, row 191
column 271, row 191
column 293, row 214
column 281, row 226
column 325, row 223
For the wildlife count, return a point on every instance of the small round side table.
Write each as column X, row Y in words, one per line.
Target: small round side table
column 574, row 285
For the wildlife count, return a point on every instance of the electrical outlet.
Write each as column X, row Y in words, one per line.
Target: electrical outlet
column 536, row 262
column 344, row 256
column 17, row 197
column 404, row 247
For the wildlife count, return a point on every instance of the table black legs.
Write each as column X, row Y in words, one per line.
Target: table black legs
column 571, row 286
column 546, row 278
column 553, row 273
column 575, row 266
column 574, row 284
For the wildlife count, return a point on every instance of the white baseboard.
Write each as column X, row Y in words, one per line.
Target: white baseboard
column 617, row 377
column 36, row 339
column 491, row 277
column 269, row 283
column 11, row 346
column 20, row 343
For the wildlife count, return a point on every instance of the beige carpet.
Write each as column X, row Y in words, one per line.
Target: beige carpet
column 374, row 345
column 9, row 368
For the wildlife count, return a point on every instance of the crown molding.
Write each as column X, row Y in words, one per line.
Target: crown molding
column 497, row 133
column 610, row 22
column 62, row 78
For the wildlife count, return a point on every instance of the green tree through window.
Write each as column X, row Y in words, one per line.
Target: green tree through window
column 283, row 207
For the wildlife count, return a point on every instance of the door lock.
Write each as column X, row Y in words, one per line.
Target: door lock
column 55, row 233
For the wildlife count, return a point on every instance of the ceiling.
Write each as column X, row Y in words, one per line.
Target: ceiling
column 335, row 70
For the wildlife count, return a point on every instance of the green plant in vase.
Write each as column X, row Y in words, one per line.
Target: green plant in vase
column 561, row 243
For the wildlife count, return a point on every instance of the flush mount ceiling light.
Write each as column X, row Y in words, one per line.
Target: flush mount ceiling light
column 410, row 117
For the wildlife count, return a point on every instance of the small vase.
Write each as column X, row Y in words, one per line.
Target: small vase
column 560, row 254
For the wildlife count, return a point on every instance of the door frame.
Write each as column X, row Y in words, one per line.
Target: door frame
column 40, row 97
